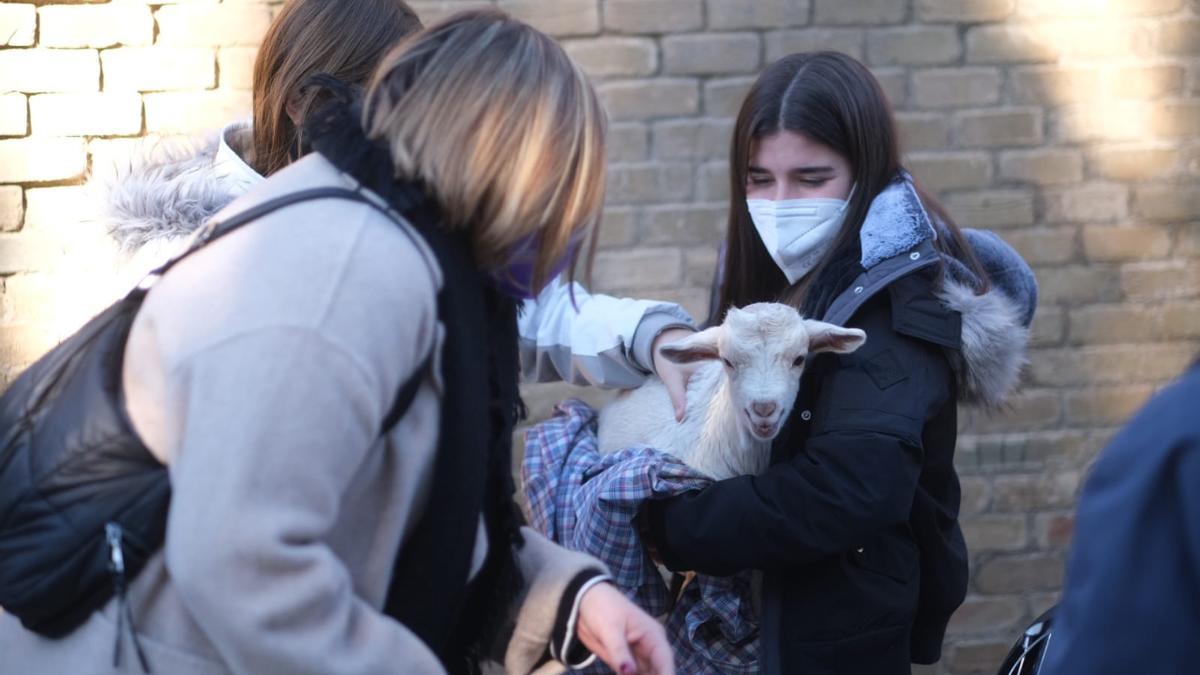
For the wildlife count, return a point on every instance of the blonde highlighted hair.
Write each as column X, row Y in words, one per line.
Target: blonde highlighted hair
column 504, row 130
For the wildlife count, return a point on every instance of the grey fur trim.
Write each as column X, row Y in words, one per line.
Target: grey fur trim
column 896, row 222
column 993, row 343
column 166, row 191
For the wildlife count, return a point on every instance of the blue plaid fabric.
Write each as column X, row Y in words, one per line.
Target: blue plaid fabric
column 587, row 502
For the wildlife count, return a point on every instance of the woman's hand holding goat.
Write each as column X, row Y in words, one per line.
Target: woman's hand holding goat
column 674, row 375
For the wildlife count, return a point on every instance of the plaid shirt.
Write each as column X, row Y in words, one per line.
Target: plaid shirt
column 587, row 502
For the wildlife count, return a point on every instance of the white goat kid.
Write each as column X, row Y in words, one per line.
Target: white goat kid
column 737, row 404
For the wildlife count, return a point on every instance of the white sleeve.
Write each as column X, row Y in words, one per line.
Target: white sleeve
column 572, row 335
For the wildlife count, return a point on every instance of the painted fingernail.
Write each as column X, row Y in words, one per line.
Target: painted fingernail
column 627, row 668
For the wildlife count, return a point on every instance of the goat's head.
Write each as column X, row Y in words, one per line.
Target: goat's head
column 764, row 347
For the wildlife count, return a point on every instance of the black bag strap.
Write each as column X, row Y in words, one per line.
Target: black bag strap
column 214, row 230
column 405, row 396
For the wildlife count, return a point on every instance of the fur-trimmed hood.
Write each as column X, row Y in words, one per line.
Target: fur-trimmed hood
column 995, row 323
column 167, row 189
column 994, row 342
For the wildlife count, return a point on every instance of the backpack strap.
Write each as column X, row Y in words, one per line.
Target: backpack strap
column 214, row 230
column 404, row 397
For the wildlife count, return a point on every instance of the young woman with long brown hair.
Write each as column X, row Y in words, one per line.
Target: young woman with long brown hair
column 854, row 526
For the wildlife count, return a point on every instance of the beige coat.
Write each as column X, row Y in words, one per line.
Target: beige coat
column 260, row 370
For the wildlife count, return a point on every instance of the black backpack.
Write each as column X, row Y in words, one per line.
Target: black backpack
column 1029, row 651
column 83, row 502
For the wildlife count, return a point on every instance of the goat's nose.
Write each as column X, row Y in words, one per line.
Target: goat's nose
column 763, row 408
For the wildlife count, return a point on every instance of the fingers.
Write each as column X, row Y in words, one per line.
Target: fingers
column 630, row 641
column 678, row 392
column 653, row 652
column 619, row 658
column 673, row 375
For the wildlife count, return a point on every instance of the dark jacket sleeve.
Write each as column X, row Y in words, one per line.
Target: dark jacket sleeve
column 856, row 472
column 1129, row 604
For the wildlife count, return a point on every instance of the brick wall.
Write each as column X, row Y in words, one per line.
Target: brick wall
column 1071, row 127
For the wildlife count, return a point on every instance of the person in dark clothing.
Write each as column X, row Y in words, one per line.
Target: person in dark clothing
column 855, row 525
column 1132, row 596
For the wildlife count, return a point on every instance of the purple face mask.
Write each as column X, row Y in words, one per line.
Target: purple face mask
column 515, row 279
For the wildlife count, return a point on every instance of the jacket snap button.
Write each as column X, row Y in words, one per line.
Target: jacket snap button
column 806, row 415
column 858, row 289
column 915, row 255
column 858, row 550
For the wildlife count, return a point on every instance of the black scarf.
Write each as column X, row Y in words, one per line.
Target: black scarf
column 472, row 475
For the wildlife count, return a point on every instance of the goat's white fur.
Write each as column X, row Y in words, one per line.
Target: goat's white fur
column 755, row 356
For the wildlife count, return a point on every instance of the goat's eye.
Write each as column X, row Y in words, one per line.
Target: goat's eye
column 728, row 364
column 799, row 361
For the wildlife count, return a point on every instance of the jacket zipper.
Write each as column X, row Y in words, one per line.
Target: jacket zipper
column 116, row 566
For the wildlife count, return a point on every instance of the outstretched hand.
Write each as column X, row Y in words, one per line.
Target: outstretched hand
column 626, row 638
column 674, row 375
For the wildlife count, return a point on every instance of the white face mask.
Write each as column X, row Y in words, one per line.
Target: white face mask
column 797, row 232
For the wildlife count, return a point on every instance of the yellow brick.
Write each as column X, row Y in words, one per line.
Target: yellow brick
column 92, row 114
column 964, row 10
column 858, row 12
column 84, row 274
column 558, row 18
column 1056, row 84
column 24, row 252
column 1011, row 43
column 36, row 71
column 28, row 298
column 64, row 291
column 12, row 208
column 1112, row 120
column 13, row 117
column 194, row 111
column 20, row 346
column 957, row 87
column 158, row 68
column 110, row 154
column 433, row 11
column 644, row 99
column 1134, row 163
column 1102, row 243
column 614, row 56
column 95, row 25
column 724, row 53
column 1146, row 82
column 32, row 160
column 1106, row 39
column 218, row 25
column 56, row 212
column 174, row 2
column 17, row 23
column 653, row 16
column 237, row 67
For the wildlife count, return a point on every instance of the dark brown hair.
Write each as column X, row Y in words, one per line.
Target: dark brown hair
column 342, row 38
column 834, row 100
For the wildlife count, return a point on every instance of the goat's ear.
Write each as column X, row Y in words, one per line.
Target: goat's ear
column 826, row 337
column 700, row 346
